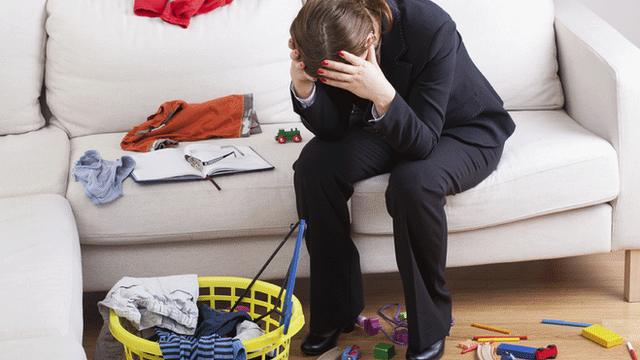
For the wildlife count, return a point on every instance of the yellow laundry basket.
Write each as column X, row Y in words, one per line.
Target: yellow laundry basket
column 221, row 292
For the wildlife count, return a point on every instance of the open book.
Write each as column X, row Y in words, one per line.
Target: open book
column 196, row 161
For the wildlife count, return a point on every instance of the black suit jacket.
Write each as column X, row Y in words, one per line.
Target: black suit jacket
column 439, row 90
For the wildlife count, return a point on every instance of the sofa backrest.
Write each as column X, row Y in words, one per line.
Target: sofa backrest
column 22, row 41
column 107, row 69
column 513, row 44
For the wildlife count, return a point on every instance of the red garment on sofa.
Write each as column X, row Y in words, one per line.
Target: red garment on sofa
column 177, row 12
column 177, row 121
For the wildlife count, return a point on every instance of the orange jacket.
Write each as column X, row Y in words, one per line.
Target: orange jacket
column 227, row 117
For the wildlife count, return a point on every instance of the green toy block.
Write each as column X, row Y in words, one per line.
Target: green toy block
column 402, row 316
column 384, row 351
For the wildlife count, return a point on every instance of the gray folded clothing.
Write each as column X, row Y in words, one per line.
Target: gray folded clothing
column 168, row 302
column 102, row 179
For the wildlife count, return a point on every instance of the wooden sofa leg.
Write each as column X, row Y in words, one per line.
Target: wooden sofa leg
column 632, row 275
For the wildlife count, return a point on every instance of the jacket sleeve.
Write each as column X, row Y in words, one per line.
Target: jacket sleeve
column 412, row 126
column 328, row 116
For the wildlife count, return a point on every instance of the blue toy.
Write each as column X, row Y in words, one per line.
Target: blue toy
column 351, row 353
column 564, row 323
column 521, row 352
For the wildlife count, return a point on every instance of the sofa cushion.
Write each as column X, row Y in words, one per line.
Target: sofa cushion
column 550, row 164
column 38, row 348
column 21, row 65
column 513, row 44
column 40, row 274
column 35, row 162
column 260, row 203
column 117, row 71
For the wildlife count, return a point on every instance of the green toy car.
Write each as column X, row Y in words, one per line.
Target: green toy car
column 291, row 135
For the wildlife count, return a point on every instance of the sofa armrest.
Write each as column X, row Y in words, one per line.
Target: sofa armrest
column 600, row 71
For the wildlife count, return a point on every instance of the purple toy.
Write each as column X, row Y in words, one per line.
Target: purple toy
column 371, row 326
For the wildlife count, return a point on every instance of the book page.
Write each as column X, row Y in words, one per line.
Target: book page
column 162, row 164
column 248, row 162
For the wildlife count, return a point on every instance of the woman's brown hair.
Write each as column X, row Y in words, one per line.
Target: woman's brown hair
column 324, row 27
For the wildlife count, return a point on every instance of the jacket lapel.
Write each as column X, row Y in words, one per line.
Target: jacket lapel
column 393, row 46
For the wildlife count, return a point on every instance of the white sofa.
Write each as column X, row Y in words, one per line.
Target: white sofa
column 568, row 183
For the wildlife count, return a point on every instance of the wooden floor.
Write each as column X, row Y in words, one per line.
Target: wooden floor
column 515, row 296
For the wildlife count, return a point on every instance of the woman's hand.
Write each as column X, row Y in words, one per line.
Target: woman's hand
column 362, row 77
column 302, row 83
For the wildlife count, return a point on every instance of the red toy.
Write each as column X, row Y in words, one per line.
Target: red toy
column 292, row 135
column 550, row 352
column 351, row 353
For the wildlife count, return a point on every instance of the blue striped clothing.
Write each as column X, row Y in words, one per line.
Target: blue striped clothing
column 185, row 347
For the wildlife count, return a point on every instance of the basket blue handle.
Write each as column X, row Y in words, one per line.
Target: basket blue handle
column 291, row 277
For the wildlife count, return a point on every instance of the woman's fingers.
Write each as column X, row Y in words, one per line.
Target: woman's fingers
column 371, row 55
column 339, row 66
column 335, row 83
column 335, row 75
column 355, row 60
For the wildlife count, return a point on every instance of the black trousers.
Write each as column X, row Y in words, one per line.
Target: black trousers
column 415, row 197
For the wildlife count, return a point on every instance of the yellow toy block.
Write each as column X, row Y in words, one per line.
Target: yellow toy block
column 602, row 336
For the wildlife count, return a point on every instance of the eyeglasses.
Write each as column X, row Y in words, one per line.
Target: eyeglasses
column 199, row 164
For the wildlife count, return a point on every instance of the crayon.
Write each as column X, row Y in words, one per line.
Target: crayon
column 499, row 339
column 491, row 328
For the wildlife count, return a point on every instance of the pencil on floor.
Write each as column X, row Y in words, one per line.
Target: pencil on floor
column 491, row 328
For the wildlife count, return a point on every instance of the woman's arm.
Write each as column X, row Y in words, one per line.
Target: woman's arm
column 327, row 117
column 412, row 126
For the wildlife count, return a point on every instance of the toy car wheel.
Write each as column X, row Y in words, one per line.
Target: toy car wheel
column 281, row 139
column 297, row 138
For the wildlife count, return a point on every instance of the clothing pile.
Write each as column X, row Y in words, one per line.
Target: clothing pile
column 177, row 12
column 102, row 179
column 165, row 309
column 230, row 116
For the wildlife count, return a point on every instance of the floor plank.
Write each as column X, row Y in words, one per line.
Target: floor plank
column 515, row 296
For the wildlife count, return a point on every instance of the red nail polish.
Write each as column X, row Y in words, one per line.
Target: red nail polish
column 324, row 62
column 319, row 71
column 323, row 80
column 340, row 53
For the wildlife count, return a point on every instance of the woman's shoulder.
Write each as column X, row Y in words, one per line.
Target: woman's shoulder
column 421, row 18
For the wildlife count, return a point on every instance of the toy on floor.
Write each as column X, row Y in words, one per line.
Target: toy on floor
column 527, row 352
column 491, row 328
column 403, row 316
column 522, row 352
column 477, row 338
column 467, row 346
column 498, row 339
column 550, row 352
column 370, row 325
column 400, row 333
column 602, row 336
column 565, row 323
column 384, row 351
column 632, row 351
column 351, row 353
column 485, row 352
column 284, row 136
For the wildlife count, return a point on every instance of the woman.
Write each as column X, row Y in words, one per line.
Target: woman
column 387, row 86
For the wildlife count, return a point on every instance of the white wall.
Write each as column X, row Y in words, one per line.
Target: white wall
column 624, row 15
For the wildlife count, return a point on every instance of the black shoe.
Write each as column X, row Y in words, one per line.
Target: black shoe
column 317, row 344
column 433, row 352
